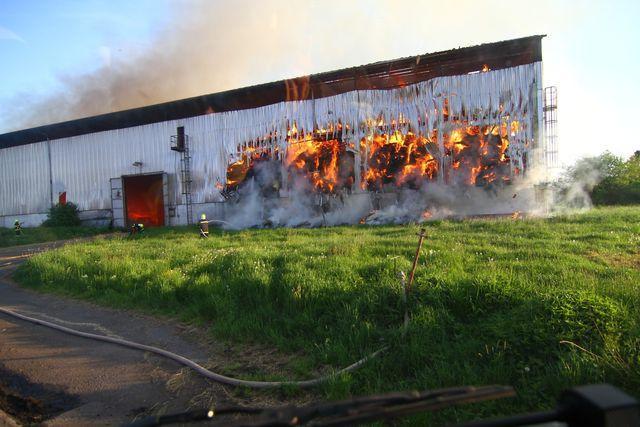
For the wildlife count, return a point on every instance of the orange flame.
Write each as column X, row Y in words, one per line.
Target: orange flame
column 393, row 155
column 397, row 158
column 316, row 159
column 478, row 154
column 237, row 172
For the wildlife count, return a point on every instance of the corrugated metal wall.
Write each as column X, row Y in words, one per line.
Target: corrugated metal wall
column 83, row 165
column 24, row 179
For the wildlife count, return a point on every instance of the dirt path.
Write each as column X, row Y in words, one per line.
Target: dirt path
column 67, row 380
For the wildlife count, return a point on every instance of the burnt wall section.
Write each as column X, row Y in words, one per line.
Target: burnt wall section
column 380, row 75
column 442, row 118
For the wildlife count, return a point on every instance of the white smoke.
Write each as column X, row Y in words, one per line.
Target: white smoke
column 303, row 207
column 572, row 191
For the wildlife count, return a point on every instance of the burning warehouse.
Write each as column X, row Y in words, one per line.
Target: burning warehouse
column 454, row 132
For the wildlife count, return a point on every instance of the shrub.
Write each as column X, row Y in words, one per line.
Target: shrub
column 62, row 215
column 621, row 186
column 607, row 179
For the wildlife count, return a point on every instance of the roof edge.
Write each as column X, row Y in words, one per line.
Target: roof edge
column 377, row 75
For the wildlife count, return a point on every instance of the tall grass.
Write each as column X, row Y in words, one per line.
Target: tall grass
column 541, row 304
column 45, row 234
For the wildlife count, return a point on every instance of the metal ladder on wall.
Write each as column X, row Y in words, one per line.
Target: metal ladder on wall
column 550, row 116
column 180, row 143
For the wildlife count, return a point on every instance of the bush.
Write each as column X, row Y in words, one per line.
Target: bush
column 621, row 186
column 607, row 179
column 62, row 215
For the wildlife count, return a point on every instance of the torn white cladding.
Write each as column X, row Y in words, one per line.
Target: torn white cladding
column 446, row 146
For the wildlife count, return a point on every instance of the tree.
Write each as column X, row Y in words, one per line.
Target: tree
column 590, row 171
column 620, row 185
column 604, row 180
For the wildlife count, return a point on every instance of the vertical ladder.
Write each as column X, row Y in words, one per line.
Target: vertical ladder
column 180, row 143
column 550, row 112
column 185, row 171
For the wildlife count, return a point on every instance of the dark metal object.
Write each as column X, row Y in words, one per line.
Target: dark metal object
column 179, row 140
column 180, row 144
column 346, row 412
column 516, row 420
column 379, row 75
column 192, row 416
column 423, row 403
column 598, row 405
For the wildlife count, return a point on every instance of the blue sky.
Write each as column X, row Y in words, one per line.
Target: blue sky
column 590, row 54
column 42, row 40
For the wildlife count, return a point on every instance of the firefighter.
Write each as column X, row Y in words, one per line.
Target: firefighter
column 136, row 228
column 204, row 226
column 17, row 227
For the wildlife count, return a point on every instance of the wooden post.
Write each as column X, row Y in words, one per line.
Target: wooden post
column 407, row 285
column 422, row 235
column 403, row 280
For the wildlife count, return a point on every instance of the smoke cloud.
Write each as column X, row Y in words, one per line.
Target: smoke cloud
column 572, row 191
column 209, row 46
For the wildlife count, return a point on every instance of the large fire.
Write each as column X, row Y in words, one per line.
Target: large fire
column 321, row 157
column 400, row 159
column 478, row 154
column 394, row 156
column 383, row 150
column 242, row 169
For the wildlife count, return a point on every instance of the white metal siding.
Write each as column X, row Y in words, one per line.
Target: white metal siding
column 24, row 180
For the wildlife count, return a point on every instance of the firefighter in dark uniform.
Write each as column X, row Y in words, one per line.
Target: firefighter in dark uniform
column 204, row 226
column 17, row 227
column 136, row 229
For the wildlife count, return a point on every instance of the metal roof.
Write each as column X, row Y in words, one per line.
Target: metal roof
column 379, row 75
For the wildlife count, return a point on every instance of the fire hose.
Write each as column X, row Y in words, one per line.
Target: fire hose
column 204, row 371
column 190, row 363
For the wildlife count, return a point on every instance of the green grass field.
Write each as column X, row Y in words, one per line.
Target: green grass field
column 45, row 234
column 540, row 304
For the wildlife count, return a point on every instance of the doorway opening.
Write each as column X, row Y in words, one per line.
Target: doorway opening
column 144, row 201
